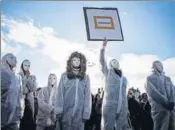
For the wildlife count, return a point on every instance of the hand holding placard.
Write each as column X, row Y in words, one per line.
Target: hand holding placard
column 105, row 42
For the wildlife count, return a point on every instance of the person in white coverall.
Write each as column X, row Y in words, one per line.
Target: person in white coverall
column 160, row 91
column 10, row 110
column 73, row 98
column 46, row 100
column 28, row 86
column 115, row 104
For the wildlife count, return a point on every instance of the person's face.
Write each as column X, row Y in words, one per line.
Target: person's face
column 158, row 66
column 26, row 65
column 130, row 94
column 11, row 60
column 114, row 64
column 145, row 97
column 76, row 62
column 52, row 79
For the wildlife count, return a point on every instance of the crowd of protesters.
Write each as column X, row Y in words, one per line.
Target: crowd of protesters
column 70, row 105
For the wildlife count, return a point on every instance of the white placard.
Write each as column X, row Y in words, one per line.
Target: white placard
column 101, row 23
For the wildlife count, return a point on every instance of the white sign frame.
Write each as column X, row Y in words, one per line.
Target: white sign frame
column 89, row 38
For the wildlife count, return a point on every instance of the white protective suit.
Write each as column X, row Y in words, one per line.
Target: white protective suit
column 73, row 102
column 46, row 101
column 26, row 92
column 160, row 92
column 28, row 120
column 115, row 104
column 28, row 85
column 9, row 96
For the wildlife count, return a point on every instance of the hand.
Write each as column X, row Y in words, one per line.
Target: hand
column 27, row 73
column 20, row 113
column 105, row 43
column 20, row 116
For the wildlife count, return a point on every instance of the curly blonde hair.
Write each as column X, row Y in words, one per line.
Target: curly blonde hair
column 69, row 68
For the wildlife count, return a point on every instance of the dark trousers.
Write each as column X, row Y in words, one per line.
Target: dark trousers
column 98, row 122
column 27, row 122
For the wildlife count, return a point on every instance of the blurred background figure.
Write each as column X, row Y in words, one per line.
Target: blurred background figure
column 147, row 121
column 90, row 124
column 10, row 99
column 135, row 111
column 98, row 110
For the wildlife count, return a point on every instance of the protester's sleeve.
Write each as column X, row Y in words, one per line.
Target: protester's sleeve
column 125, row 83
column 59, row 101
column 87, row 100
column 155, row 94
column 5, row 83
column 169, row 85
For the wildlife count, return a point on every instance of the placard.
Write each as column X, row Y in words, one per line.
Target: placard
column 101, row 23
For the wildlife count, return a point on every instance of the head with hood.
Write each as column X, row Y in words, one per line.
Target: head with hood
column 8, row 62
column 77, row 61
column 99, row 90
column 114, row 65
column 157, row 66
column 130, row 94
column 52, row 80
column 144, row 97
column 25, row 67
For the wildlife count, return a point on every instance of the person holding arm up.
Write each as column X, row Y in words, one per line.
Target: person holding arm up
column 115, row 104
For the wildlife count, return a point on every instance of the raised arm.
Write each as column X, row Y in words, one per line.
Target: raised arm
column 102, row 58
